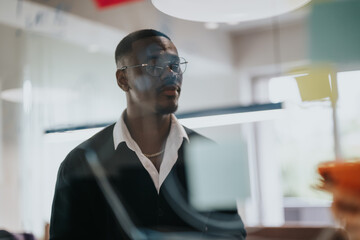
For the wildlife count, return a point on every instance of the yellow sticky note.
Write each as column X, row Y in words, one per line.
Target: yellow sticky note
column 316, row 82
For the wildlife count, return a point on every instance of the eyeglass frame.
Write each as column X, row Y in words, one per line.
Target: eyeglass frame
column 163, row 68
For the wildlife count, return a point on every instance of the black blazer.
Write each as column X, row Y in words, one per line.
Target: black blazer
column 81, row 211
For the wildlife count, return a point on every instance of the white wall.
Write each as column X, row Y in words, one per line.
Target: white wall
column 259, row 53
column 11, row 59
column 268, row 51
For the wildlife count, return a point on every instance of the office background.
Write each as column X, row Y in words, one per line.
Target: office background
column 57, row 70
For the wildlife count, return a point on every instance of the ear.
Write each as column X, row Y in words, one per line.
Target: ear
column 122, row 80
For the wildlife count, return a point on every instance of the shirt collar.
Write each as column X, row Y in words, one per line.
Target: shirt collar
column 122, row 134
column 173, row 143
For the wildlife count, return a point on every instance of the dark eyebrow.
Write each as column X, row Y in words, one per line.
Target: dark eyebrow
column 168, row 57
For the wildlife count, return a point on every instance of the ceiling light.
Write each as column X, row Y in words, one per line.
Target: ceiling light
column 233, row 23
column 93, row 48
column 29, row 94
column 226, row 11
column 211, row 25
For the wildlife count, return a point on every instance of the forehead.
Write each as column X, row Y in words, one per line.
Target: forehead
column 151, row 47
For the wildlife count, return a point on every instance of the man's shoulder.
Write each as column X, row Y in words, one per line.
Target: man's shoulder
column 101, row 143
column 99, row 140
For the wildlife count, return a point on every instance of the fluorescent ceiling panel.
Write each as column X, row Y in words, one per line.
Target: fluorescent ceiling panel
column 226, row 11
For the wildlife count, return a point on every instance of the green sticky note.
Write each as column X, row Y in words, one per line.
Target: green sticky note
column 334, row 31
column 218, row 174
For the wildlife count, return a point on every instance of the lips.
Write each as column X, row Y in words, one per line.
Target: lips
column 171, row 90
column 170, row 85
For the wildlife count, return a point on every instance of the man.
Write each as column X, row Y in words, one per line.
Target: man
column 139, row 154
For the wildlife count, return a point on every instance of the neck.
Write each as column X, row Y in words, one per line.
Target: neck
column 149, row 131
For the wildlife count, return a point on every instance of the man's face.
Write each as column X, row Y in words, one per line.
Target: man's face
column 153, row 94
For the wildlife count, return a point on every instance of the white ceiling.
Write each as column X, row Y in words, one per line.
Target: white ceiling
column 142, row 14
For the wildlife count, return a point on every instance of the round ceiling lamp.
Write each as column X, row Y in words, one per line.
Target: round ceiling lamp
column 226, row 10
column 37, row 94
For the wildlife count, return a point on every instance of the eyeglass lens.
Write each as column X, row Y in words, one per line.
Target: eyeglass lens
column 177, row 66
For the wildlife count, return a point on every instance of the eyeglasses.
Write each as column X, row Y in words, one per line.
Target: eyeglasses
column 177, row 66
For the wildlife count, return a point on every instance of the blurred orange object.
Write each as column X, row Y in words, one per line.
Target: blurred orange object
column 340, row 175
column 342, row 179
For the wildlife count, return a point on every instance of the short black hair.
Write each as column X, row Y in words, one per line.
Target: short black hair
column 125, row 45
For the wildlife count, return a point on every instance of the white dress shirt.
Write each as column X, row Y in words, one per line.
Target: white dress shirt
column 173, row 143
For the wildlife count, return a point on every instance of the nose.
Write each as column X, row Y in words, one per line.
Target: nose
column 169, row 69
column 169, row 72
column 169, row 77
